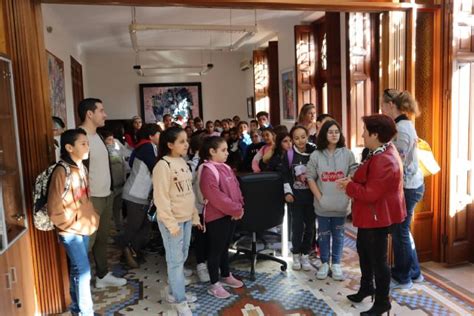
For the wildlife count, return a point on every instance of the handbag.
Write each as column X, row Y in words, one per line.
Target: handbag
column 426, row 160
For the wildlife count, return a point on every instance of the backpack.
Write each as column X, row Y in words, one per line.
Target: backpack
column 40, row 195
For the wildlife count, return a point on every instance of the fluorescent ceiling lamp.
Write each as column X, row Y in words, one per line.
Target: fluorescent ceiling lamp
column 189, row 70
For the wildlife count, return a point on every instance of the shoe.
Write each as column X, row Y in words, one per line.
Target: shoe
column 218, row 291
column 202, row 273
column 316, row 262
column 304, row 260
column 419, row 279
column 188, row 272
column 183, row 309
column 232, row 282
column 380, row 306
column 336, row 272
column 402, row 286
column 190, row 298
column 323, row 271
column 296, row 262
column 129, row 258
column 109, row 280
column 359, row 296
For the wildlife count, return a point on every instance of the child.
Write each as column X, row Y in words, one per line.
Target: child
column 253, row 125
column 266, row 152
column 252, row 150
column 244, row 140
column 224, row 206
column 234, row 160
column 299, row 197
column 176, row 211
column 74, row 215
column 282, row 145
column 331, row 160
column 210, row 129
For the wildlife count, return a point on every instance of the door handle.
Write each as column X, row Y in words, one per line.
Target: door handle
column 9, row 281
column 13, row 274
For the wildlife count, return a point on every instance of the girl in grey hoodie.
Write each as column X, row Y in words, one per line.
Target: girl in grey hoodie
column 331, row 160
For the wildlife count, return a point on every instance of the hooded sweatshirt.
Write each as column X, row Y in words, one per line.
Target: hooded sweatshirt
column 325, row 169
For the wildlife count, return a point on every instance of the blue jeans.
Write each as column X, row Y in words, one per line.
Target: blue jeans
column 406, row 265
column 80, row 272
column 176, row 254
column 331, row 227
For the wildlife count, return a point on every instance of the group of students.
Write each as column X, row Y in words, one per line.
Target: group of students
column 189, row 173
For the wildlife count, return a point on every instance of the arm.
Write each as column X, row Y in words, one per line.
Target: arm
column 256, row 160
column 211, row 191
column 312, row 175
column 402, row 143
column 352, row 164
column 379, row 175
column 161, row 196
column 59, row 215
column 146, row 154
column 286, row 175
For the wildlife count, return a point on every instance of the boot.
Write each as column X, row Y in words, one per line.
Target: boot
column 361, row 294
column 381, row 305
column 130, row 259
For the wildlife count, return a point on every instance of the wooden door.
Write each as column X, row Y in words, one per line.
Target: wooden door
column 77, row 86
column 305, row 65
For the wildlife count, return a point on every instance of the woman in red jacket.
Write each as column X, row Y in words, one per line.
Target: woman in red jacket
column 376, row 190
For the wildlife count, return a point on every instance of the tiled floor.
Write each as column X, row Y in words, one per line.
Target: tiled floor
column 272, row 293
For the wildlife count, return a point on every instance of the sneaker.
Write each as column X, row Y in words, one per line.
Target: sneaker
column 190, row 298
column 296, row 262
column 109, row 280
column 232, row 282
column 304, row 260
column 218, row 291
column 316, row 262
column 402, row 286
column 188, row 272
column 323, row 272
column 130, row 258
column 202, row 273
column 336, row 272
column 419, row 279
column 183, row 309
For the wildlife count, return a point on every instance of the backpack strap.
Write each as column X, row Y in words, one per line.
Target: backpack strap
column 67, row 168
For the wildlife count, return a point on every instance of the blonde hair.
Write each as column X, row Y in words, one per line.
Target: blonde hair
column 304, row 110
column 404, row 101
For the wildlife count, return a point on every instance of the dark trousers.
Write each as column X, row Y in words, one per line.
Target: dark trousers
column 302, row 227
column 372, row 250
column 137, row 228
column 200, row 244
column 219, row 236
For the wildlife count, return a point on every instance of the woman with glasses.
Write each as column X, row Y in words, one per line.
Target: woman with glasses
column 400, row 106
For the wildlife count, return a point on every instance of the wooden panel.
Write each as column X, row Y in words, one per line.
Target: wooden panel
column 3, row 33
column 24, row 26
column 77, row 87
column 305, row 65
column 261, row 80
column 334, row 58
column 273, row 83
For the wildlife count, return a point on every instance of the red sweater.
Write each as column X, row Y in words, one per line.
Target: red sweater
column 224, row 198
column 377, row 191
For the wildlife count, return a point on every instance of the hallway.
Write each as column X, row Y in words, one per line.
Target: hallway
column 274, row 292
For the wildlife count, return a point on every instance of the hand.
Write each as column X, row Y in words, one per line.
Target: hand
column 238, row 217
column 175, row 233
column 342, row 183
column 201, row 227
column 289, row 198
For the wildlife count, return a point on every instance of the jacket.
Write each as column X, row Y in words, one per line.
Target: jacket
column 74, row 213
column 325, row 169
column 377, row 191
column 224, row 197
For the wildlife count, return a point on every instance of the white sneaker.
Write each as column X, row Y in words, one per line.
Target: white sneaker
column 202, row 273
column 336, row 272
column 305, row 262
column 188, row 272
column 190, row 298
column 323, row 272
column 183, row 309
column 296, row 262
column 316, row 262
column 109, row 280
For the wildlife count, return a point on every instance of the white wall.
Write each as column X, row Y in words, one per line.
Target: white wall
column 63, row 45
column 111, row 78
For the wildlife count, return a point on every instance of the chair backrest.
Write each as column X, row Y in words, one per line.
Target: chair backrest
column 264, row 201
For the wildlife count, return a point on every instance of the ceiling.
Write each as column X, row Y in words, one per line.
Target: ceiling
column 105, row 28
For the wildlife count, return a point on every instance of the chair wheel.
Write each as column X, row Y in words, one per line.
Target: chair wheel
column 283, row 268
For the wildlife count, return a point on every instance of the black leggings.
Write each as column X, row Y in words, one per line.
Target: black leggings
column 200, row 244
column 219, row 236
column 372, row 250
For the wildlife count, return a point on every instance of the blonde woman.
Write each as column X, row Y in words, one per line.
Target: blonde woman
column 307, row 118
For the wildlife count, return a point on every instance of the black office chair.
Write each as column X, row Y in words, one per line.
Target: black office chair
column 264, row 209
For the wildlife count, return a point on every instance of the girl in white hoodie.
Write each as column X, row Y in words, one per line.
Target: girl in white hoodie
column 330, row 161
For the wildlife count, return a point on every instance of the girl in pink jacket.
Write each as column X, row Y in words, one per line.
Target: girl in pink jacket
column 223, row 206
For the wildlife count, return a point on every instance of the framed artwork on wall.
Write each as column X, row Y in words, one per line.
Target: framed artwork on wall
column 288, row 90
column 250, row 108
column 158, row 99
column 56, row 80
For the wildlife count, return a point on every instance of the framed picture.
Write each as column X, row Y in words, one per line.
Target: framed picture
column 158, row 99
column 288, row 90
column 56, row 80
column 250, row 107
